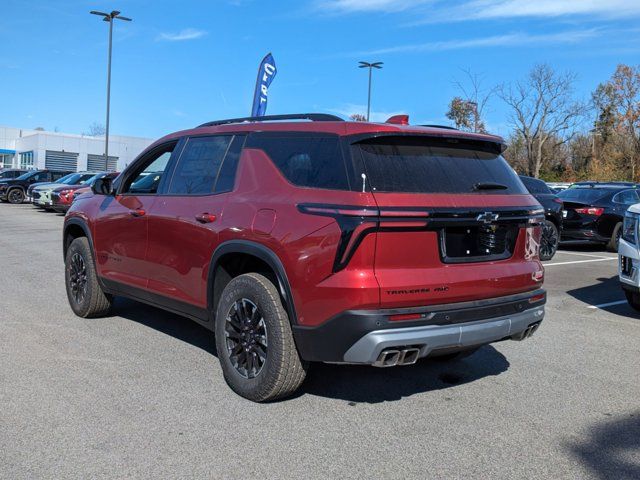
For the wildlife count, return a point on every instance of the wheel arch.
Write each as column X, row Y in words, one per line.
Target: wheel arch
column 256, row 255
column 75, row 228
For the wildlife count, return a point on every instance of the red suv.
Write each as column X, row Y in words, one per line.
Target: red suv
column 302, row 238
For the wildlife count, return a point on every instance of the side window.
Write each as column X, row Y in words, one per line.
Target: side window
column 40, row 177
column 197, row 169
column 315, row 162
column 627, row 197
column 147, row 176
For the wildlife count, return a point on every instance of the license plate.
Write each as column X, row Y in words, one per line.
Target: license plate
column 564, row 213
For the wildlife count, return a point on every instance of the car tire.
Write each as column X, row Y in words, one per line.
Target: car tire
column 84, row 292
column 612, row 246
column 15, row 196
column 549, row 240
column 251, row 317
column 634, row 299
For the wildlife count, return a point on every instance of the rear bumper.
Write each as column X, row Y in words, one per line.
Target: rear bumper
column 586, row 234
column 360, row 336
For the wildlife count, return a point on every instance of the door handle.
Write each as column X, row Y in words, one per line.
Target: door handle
column 138, row 212
column 206, row 218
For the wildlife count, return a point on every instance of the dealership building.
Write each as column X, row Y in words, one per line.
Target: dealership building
column 40, row 149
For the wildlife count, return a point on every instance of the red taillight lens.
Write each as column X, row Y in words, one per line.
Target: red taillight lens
column 597, row 211
column 557, row 200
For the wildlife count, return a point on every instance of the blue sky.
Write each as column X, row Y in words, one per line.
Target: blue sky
column 179, row 64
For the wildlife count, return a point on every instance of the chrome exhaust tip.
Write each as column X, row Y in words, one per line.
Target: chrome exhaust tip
column 387, row 358
column 409, row 356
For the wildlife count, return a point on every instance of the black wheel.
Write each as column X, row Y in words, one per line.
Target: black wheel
column 612, row 246
column 549, row 241
column 255, row 345
column 633, row 299
column 85, row 295
column 15, row 196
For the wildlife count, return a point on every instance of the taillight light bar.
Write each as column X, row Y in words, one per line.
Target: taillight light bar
column 596, row 211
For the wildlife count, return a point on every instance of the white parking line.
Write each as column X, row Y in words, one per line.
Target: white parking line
column 610, row 304
column 580, row 261
column 586, row 254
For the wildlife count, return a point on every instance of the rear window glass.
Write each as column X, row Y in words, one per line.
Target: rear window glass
column 422, row 165
column 577, row 194
column 535, row 186
column 315, row 162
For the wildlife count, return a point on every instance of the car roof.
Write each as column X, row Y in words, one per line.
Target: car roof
column 328, row 124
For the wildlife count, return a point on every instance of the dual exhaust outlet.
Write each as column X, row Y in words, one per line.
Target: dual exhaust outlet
column 392, row 357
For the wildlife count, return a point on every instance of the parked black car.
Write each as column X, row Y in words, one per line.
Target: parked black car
column 595, row 211
column 15, row 190
column 9, row 173
column 552, row 212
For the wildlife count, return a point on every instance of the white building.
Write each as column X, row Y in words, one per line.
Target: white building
column 38, row 149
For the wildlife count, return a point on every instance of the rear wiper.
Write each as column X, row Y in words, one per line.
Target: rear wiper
column 489, row 186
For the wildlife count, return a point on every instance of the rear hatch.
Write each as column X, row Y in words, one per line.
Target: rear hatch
column 456, row 223
column 581, row 205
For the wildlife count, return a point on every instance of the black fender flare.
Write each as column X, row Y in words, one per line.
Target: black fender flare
column 85, row 228
column 263, row 253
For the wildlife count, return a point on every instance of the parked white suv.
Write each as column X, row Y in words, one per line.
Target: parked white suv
column 629, row 256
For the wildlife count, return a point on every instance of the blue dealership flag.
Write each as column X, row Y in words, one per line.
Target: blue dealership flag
column 266, row 74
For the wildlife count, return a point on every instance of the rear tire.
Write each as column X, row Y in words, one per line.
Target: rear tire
column 15, row 196
column 84, row 293
column 633, row 299
column 549, row 241
column 254, row 341
column 612, row 246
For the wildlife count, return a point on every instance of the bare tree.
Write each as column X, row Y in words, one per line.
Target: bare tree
column 543, row 110
column 96, row 129
column 467, row 110
column 357, row 117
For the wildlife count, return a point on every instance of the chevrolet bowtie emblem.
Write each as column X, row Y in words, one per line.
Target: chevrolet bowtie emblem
column 487, row 217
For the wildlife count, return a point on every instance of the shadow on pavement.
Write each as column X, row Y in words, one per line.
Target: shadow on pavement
column 582, row 247
column 373, row 385
column 346, row 382
column 604, row 291
column 168, row 323
column 613, row 448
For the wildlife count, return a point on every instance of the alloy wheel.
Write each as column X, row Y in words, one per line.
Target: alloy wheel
column 246, row 338
column 15, row 196
column 78, row 278
column 549, row 241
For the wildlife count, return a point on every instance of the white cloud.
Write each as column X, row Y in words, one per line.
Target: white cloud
column 502, row 9
column 349, row 109
column 507, row 40
column 349, row 6
column 185, row 34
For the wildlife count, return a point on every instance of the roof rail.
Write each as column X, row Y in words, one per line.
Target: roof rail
column 314, row 117
column 446, row 127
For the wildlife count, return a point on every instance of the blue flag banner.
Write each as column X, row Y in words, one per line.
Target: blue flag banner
column 266, row 74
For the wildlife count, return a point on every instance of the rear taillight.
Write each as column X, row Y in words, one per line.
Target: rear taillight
column 596, row 211
column 557, row 200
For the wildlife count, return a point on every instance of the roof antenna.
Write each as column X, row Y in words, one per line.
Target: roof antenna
column 364, row 182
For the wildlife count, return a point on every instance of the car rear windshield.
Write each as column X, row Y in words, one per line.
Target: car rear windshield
column 535, row 186
column 584, row 195
column 425, row 165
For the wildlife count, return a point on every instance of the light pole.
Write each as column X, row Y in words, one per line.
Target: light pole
column 370, row 66
column 109, row 17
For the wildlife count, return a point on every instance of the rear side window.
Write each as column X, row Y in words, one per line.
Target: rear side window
column 198, row 167
column 535, row 186
column 586, row 195
column 424, row 165
column 627, row 197
column 314, row 161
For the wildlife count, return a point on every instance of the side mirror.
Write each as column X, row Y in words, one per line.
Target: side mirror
column 102, row 186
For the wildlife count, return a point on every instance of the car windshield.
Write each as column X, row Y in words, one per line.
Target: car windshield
column 65, row 178
column 425, row 165
column 584, row 195
column 26, row 176
column 77, row 178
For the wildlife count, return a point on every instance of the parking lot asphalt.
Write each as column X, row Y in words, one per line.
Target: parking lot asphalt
column 141, row 395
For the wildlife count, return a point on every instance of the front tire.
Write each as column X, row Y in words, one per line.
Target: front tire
column 15, row 196
column 254, row 341
column 633, row 299
column 612, row 246
column 549, row 241
column 84, row 293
